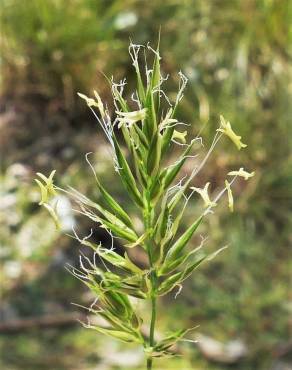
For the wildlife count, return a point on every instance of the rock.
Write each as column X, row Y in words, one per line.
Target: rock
column 127, row 359
column 281, row 365
column 226, row 353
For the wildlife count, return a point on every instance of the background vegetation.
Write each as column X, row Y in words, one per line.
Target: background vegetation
column 237, row 56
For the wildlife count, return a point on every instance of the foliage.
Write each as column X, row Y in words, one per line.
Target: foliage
column 45, row 44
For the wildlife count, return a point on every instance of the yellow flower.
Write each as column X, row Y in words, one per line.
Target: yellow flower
column 89, row 101
column 99, row 103
column 94, row 103
column 230, row 196
column 204, row 194
column 53, row 214
column 47, row 188
column 181, row 136
column 242, row 173
column 167, row 120
column 129, row 118
column 225, row 128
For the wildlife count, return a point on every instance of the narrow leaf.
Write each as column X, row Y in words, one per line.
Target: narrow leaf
column 179, row 245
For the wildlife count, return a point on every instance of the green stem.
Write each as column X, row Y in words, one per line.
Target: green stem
column 152, row 329
column 149, row 363
column 153, row 319
column 153, row 279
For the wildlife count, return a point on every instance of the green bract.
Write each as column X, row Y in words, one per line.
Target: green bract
column 141, row 138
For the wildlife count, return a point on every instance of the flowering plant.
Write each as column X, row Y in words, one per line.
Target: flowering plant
column 149, row 131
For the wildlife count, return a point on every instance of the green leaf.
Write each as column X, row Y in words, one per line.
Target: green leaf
column 53, row 214
column 189, row 269
column 171, row 282
column 111, row 202
column 171, row 172
column 154, row 155
column 170, row 340
column 156, row 75
column 179, row 245
column 114, row 321
column 176, row 279
column 126, row 176
column 161, row 224
column 121, row 335
column 169, row 267
column 167, row 136
column 123, row 233
column 119, row 229
column 112, row 257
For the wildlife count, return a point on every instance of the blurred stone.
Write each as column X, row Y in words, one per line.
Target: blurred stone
column 7, row 201
column 7, row 312
column 214, row 350
column 125, row 20
column 281, row 365
column 128, row 359
column 12, row 269
column 18, row 170
column 65, row 213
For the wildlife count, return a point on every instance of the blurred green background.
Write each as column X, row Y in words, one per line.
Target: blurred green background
column 237, row 55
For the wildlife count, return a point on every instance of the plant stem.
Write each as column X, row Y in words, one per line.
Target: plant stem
column 153, row 279
column 153, row 319
column 152, row 329
column 149, row 363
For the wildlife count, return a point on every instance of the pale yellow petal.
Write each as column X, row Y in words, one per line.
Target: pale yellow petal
column 230, row 196
column 181, row 136
column 226, row 129
column 242, row 173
